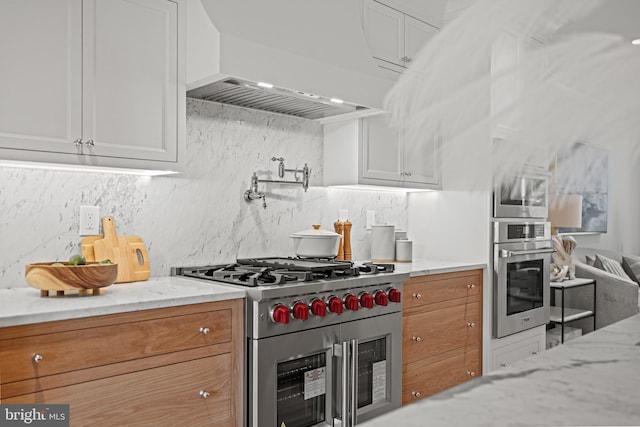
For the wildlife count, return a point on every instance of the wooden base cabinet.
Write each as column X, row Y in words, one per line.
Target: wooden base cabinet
column 441, row 332
column 181, row 365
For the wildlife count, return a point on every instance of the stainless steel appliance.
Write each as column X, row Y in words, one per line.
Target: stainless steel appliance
column 521, row 259
column 522, row 195
column 324, row 339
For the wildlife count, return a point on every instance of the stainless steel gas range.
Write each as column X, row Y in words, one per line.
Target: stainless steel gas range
column 324, row 338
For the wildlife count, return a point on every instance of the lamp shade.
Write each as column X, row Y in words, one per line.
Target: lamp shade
column 565, row 210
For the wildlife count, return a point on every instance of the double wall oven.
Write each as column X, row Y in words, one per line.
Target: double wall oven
column 522, row 248
column 324, row 339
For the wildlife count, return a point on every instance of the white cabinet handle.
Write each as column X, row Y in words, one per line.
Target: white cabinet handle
column 415, row 393
column 37, row 358
column 417, row 296
column 204, row 330
column 90, row 143
column 535, row 352
column 204, row 394
column 417, row 339
column 503, row 364
column 78, row 142
column 409, row 59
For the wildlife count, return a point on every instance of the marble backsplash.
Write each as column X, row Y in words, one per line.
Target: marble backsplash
column 198, row 217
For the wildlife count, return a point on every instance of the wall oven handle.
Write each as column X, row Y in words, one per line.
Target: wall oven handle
column 508, row 254
column 354, row 381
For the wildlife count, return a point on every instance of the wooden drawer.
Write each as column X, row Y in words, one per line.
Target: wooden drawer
column 425, row 290
column 168, row 395
column 81, row 347
column 420, row 380
column 440, row 331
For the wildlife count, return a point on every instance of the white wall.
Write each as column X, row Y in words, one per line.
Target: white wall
column 200, row 216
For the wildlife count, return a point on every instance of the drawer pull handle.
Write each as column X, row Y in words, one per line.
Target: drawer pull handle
column 37, row 358
column 417, row 339
column 204, row 394
column 205, row 330
column 471, row 324
column 415, row 393
column 534, row 352
column 503, row 365
column 471, row 373
column 471, row 286
column 417, row 296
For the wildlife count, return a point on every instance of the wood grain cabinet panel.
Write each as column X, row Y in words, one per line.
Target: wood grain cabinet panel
column 441, row 332
column 182, row 365
column 169, row 394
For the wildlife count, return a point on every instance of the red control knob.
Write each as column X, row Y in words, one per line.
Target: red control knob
column 366, row 300
column 335, row 305
column 319, row 308
column 381, row 298
column 280, row 314
column 301, row 311
column 351, row 302
column 395, row 295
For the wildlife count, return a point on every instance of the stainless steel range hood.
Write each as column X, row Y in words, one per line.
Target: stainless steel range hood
column 311, row 52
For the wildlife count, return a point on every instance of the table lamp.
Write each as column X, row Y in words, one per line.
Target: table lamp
column 565, row 211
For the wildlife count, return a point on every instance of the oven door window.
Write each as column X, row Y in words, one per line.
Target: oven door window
column 525, row 281
column 372, row 372
column 301, row 391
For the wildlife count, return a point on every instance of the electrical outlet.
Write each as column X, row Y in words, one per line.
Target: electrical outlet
column 89, row 220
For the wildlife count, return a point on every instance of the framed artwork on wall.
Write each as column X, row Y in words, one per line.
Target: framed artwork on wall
column 584, row 169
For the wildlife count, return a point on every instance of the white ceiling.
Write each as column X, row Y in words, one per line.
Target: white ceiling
column 614, row 16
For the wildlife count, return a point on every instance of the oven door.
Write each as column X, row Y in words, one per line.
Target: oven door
column 522, row 196
column 370, row 382
column 521, row 286
column 291, row 379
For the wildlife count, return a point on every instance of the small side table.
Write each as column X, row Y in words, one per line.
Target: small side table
column 561, row 314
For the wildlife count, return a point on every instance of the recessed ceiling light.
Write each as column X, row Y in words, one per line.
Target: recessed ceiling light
column 267, row 85
column 336, row 101
column 636, row 41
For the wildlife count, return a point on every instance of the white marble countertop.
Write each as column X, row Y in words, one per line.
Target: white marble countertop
column 24, row 305
column 425, row 267
column 592, row 380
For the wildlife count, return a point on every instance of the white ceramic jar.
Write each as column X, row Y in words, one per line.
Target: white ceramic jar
column 383, row 243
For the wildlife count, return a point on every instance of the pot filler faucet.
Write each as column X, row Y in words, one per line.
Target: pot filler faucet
column 253, row 193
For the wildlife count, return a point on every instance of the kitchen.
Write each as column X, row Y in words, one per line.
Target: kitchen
column 199, row 217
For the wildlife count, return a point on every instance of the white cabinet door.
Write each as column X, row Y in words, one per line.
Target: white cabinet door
column 384, row 31
column 381, row 150
column 40, row 81
column 416, row 35
column 421, row 159
column 130, row 67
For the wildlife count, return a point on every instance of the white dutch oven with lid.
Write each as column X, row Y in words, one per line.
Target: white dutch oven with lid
column 316, row 243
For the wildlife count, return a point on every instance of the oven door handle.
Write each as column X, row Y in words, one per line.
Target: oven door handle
column 343, row 351
column 354, row 381
column 508, row 254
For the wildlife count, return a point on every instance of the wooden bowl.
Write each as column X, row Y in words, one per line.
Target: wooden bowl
column 91, row 276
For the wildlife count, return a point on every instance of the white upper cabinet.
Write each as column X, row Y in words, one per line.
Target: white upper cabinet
column 93, row 82
column 372, row 152
column 394, row 37
column 40, row 76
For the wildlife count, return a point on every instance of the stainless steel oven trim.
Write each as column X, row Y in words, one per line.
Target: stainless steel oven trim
column 504, row 325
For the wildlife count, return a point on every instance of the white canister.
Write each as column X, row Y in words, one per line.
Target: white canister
column 383, row 243
column 404, row 250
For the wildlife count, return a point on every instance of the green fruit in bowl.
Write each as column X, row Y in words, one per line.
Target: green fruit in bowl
column 77, row 260
column 57, row 264
column 106, row 261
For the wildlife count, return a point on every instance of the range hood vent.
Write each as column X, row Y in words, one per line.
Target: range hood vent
column 247, row 94
column 310, row 52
